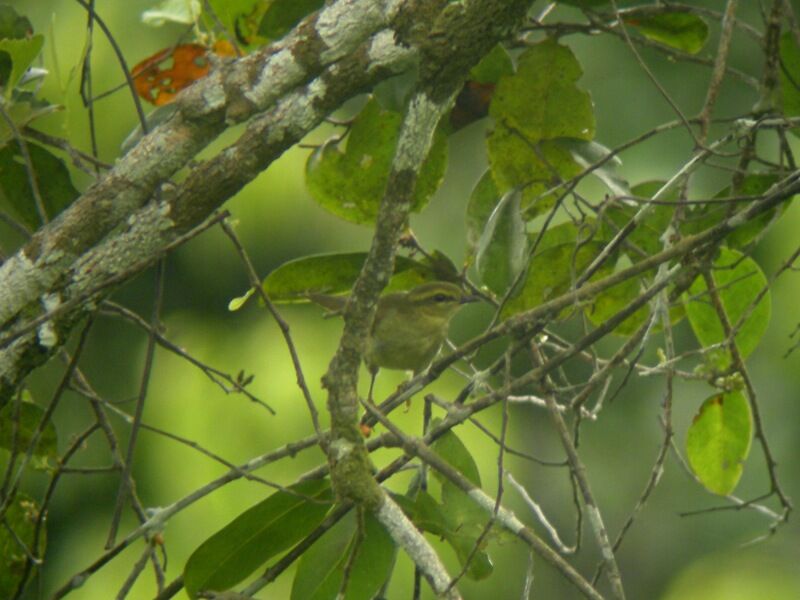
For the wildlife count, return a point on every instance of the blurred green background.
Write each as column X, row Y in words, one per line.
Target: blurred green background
column 665, row 556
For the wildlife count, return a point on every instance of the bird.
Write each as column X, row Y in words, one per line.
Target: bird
column 409, row 327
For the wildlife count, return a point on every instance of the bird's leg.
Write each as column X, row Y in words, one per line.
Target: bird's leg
column 373, row 375
column 410, row 375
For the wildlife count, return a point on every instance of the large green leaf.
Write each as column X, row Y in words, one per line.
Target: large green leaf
column 619, row 297
column 12, row 25
column 319, row 574
column 460, row 520
column 533, row 166
column 754, row 185
column 565, row 233
column 351, row 184
column 541, row 100
column 647, row 236
column 242, row 16
column 646, row 239
column 552, row 272
column 718, row 441
column 682, row 30
column 53, row 179
column 615, row 299
column 707, row 215
column 255, row 536
column 23, row 109
column 472, row 102
column 18, row 425
column 503, row 245
column 21, row 520
column 14, row 28
column 532, row 109
column 336, row 274
column 496, row 64
column 739, row 281
column 21, row 52
column 450, row 447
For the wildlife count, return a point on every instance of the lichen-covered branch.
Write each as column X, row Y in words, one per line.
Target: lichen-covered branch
column 459, row 36
column 151, row 229
column 233, row 93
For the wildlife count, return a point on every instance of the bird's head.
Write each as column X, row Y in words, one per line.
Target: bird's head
column 437, row 300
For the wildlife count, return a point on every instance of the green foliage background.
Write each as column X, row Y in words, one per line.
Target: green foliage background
column 665, row 556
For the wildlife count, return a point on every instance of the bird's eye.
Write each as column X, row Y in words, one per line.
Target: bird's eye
column 441, row 298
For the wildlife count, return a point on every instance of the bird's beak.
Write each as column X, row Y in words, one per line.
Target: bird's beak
column 468, row 299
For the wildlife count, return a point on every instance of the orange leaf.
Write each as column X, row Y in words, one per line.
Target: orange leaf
column 158, row 84
column 224, row 48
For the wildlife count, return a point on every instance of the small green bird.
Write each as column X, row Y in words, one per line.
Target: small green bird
column 409, row 327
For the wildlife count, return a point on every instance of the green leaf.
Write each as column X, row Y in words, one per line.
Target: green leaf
column 23, row 109
column 463, row 539
column 739, row 281
column 535, row 167
column 680, row 30
column 450, row 447
column 242, row 16
column 482, row 201
column 541, row 100
column 351, row 184
column 503, row 246
column 427, row 513
column 21, row 519
column 19, row 422
column 646, row 237
column 21, row 52
column 255, row 536
column 645, row 240
column 615, row 299
column 460, row 520
column 283, row 15
column 618, row 297
column 532, row 109
column 52, row 176
column 790, row 76
column 336, row 274
column 718, row 441
column 319, row 574
column 753, row 185
column 12, row 25
column 565, row 233
column 707, row 215
column 185, row 12
column 552, row 272
column 493, row 66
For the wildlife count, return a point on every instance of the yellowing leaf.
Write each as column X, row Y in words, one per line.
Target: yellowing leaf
column 718, row 441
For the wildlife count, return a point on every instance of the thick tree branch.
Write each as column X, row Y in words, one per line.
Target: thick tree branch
column 232, row 94
column 157, row 225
